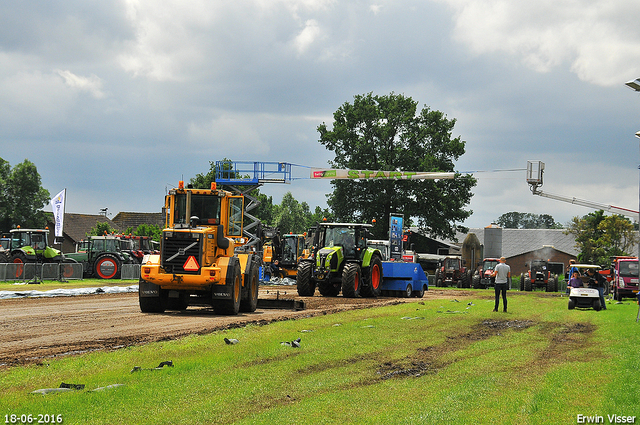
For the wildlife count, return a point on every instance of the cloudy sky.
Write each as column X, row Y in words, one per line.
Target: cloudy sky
column 119, row 100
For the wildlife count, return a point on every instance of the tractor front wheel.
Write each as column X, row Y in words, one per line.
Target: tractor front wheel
column 374, row 278
column 306, row 287
column 351, row 280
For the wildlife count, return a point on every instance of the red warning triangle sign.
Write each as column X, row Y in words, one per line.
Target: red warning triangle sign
column 191, row 265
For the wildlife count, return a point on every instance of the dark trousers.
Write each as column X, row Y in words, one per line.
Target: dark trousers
column 501, row 288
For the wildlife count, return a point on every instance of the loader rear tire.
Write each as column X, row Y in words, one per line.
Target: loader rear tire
column 231, row 306
column 250, row 302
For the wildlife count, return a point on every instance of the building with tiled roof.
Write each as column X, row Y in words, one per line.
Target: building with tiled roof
column 76, row 227
column 134, row 219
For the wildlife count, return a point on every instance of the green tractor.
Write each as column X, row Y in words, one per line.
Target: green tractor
column 101, row 256
column 31, row 246
column 344, row 263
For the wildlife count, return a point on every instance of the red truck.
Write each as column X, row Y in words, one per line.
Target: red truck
column 623, row 277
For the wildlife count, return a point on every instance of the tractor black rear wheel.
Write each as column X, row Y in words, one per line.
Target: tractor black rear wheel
column 107, row 267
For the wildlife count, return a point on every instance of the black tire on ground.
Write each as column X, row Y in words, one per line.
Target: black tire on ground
column 107, row 266
column 304, row 283
column 351, row 280
column 596, row 304
column 549, row 286
column 572, row 304
column 373, row 278
column 249, row 303
column 419, row 293
column 150, row 305
column 231, row 306
column 407, row 292
column 475, row 281
column 328, row 289
column 522, row 282
column 466, row 279
column 527, row 284
column 616, row 295
column 439, row 283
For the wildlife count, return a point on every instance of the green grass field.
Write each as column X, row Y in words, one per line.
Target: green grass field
column 429, row 361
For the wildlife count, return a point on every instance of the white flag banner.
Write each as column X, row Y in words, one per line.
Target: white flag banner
column 332, row 173
column 57, row 204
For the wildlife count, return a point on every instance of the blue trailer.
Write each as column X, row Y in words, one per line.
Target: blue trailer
column 402, row 279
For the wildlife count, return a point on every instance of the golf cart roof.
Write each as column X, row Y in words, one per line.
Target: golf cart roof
column 585, row 266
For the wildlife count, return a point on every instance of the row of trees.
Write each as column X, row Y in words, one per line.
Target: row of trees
column 371, row 133
column 21, row 196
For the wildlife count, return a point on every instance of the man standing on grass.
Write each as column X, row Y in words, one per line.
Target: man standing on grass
column 502, row 273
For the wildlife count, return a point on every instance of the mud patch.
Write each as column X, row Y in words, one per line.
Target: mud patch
column 429, row 360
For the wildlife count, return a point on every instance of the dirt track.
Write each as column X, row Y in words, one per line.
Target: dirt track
column 35, row 329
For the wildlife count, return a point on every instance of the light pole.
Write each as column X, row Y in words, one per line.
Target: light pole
column 635, row 86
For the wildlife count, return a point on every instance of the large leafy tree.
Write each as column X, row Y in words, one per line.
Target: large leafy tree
column 518, row 220
column 389, row 133
column 599, row 237
column 22, row 196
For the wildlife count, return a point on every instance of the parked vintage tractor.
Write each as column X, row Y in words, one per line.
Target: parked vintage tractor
column 101, row 257
column 483, row 278
column 538, row 276
column 198, row 263
column 453, row 272
column 344, row 263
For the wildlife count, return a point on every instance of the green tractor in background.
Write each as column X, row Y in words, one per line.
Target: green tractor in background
column 101, row 256
column 31, row 246
column 341, row 261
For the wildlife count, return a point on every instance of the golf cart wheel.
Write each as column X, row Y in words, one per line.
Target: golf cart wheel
column 572, row 304
column 407, row 292
column 351, row 277
column 596, row 305
column 304, row 283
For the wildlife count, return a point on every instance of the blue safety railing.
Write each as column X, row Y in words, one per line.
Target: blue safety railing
column 252, row 172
